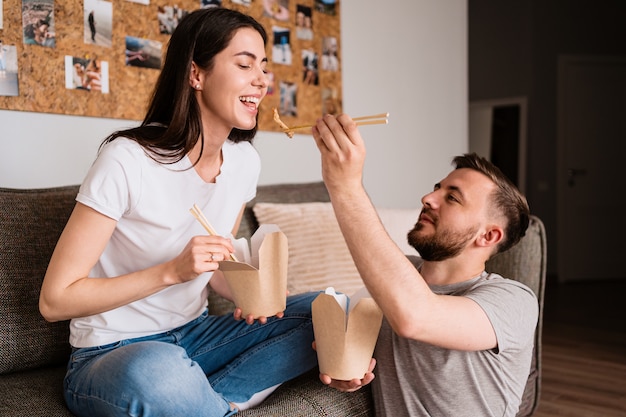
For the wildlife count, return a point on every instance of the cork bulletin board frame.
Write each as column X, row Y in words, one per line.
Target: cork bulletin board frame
column 123, row 48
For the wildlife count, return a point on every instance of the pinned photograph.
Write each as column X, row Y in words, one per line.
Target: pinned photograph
column 204, row 4
column 143, row 53
column 88, row 74
column 242, row 2
column 309, row 65
column 144, row 2
column 276, row 9
column 98, row 22
column 304, row 23
column 281, row 50
column 330, row 61
column 330, row 101
column 9, row 85
column 38, row 22
column 168, row 17
column 288, row 105
column 1, row 16
column 326, row 6
column 270, row 83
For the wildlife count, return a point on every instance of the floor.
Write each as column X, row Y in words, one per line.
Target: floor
column 584, row 350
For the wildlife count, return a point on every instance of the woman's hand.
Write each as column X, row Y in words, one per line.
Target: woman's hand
column 238, row 315
column 202, row 254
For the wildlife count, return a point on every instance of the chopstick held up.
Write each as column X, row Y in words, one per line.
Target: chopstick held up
column 375, row 119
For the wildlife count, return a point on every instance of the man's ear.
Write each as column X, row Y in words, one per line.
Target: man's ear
column 491, row 236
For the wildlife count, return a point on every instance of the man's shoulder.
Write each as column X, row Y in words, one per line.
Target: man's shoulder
column 493, row 279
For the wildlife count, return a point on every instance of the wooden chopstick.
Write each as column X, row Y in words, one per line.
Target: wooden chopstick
column 199, row 215
column 375, row 119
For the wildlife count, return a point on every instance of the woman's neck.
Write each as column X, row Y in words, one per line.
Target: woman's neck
column 208, row 164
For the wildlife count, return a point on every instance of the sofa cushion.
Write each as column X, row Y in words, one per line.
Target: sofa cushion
column 398, row 222
column 281, row 193
column 34, row 393
column 30, row 223
column 306, row 396
column 318, row 254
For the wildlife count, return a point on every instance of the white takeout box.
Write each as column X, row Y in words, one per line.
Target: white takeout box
column 346, row 330
column 259, row 284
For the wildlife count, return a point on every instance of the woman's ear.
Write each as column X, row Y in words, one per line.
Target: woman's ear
column 195, row 77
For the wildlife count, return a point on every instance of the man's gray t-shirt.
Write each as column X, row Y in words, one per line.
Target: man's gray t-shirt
column 415, row 379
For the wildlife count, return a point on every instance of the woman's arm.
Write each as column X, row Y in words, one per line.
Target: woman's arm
column 67, row 291
column 220, row 286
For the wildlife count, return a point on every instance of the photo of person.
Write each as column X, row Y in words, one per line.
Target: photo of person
column 210, row 3
column 304, row 23
column 326, row 6
column 276, row 9
column 270, row 83
column 309, row 65
column 38, row 22
column 1, row 17
column 9, row 85
column 86, row 74
column 330, row 103
column 98, row 22
column 330, row 62
column 288, row 106
column 2, row 60
column 168, row 17
column 144, row 53
column 281, row 50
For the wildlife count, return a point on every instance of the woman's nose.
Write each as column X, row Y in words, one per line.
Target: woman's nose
column 262, row 80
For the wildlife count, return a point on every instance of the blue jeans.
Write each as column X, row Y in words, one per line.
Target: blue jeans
column 194, row 370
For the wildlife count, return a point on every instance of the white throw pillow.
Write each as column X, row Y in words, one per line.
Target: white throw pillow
column 318, row 254
column 398, row 222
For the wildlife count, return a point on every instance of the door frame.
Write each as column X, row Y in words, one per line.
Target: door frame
column 478, row 133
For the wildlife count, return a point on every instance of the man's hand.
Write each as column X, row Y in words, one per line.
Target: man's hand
column 342, row 150
column 352, row 385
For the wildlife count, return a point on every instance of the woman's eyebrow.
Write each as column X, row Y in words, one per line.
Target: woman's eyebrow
column 251, row 55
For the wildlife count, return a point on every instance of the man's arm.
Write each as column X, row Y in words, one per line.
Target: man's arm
column 411, row 308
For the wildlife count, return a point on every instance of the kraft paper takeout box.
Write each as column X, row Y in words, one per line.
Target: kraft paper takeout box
column 259, row 284
column 345, row 333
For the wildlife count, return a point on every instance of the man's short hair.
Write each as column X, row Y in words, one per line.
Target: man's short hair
column 506, row 199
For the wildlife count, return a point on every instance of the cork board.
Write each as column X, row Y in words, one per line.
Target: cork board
column 129, row 40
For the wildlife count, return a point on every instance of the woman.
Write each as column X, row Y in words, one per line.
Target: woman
column 38, row 33
column 131, row 267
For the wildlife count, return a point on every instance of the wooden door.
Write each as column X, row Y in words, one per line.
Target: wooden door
column 591, row 168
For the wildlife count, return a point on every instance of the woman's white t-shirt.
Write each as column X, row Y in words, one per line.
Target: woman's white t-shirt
column 150, row 202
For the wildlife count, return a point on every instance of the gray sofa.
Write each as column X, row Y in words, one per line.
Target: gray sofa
column 33, row 353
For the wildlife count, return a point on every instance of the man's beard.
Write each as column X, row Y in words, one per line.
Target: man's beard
column 442, row 245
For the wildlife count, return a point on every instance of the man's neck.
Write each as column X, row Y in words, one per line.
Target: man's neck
column 451, row 271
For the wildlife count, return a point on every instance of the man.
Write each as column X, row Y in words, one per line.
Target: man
column 92, row 26
column 456, row 340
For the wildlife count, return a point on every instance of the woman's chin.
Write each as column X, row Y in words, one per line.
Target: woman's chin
column 247, row 126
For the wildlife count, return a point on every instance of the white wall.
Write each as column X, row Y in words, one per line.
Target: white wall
column 405, row 57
